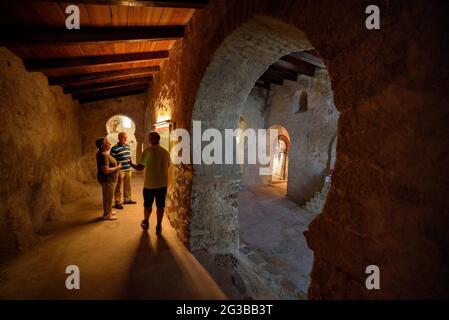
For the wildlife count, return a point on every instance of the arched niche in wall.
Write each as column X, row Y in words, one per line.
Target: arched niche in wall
column 300, row 102
column 121, row 123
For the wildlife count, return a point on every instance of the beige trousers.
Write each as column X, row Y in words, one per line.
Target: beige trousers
column 107, row 189
column 125, row 178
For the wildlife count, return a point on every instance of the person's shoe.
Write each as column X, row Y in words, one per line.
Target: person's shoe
column 118, row 206
column 109, row 217
column 145, row 224
column 158, row 230
column 130, row 202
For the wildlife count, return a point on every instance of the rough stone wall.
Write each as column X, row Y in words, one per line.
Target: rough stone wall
column 94, row 116
column 388, row 201
column 40, row 154
column 311, row 132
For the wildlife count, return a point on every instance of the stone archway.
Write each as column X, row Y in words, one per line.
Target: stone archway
column 235, row 67
column 122, row 123
column 382, row 102
column 279, row 166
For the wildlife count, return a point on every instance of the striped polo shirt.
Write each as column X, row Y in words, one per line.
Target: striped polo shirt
column 122, row 154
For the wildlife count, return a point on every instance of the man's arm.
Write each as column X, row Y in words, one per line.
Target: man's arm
column 138, row 167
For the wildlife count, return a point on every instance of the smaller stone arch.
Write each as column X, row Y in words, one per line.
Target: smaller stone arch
column 279, row 163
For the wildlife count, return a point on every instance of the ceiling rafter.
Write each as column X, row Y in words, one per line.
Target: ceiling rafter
column 86, row 35
column 45, row 64
column 106, row 92
column 85, row 78
column 111, row 96
column 289, row 67
column 106, row 85
column 187, row 4
column 112, row 49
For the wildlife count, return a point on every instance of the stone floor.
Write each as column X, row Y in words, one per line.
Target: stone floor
column 271, row 236
column 116, row 259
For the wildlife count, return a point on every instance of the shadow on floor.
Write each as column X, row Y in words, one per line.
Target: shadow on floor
column 68, row 226
column 155, row 273
column 115, row 258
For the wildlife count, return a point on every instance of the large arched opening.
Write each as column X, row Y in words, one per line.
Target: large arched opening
column 222, row 103
column 235, row 210
column 235, row 68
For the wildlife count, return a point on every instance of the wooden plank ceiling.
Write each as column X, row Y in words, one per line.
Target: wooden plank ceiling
column 289, row 67
column 116, row 51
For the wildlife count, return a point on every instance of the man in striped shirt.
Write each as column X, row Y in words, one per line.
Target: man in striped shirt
column 122, row 154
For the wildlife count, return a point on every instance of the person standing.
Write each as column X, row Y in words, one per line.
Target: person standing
column 107, row 174
column 122, row 153
column 155, row 160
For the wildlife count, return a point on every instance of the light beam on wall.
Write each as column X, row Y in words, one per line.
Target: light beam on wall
column 162, row 118
column 164, row 123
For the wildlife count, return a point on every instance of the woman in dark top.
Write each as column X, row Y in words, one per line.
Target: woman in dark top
column 107, row 174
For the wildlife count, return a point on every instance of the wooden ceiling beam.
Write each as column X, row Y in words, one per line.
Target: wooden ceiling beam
column 310, row 57
column 270, row 73
column 106, row 85
column 187, row 4
column 84, row 77
column 116, row 78
column 97, row 35
column 271, row 79
column 111, row 96
column 285, row 67
column 262, row 84
column 95, row 94
column 298, row 65
column 55, row 63
column 283, row 73
column 123, row 89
